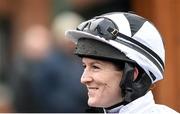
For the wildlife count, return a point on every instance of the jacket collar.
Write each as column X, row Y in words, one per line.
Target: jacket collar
column 144, row 101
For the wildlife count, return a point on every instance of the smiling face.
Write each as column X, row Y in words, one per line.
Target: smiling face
column 102, row 80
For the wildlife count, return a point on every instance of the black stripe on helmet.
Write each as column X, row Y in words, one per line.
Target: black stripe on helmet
column 151, row 55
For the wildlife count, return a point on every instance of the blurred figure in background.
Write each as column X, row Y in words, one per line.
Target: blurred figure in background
column 47, row 73
column 71, row 98
column 33, row 49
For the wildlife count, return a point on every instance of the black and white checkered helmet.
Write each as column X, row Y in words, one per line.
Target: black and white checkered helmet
column 131, row 34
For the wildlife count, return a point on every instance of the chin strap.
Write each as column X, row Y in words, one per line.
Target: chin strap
column 133, row 89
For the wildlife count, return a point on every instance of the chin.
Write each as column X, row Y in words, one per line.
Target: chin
column 94, row 103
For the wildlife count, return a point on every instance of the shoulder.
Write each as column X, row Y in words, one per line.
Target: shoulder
column 160, row 109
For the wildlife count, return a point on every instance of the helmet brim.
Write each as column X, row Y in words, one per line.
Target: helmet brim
column 75, row 35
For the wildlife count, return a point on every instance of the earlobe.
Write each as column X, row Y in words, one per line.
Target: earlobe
column 136, row 73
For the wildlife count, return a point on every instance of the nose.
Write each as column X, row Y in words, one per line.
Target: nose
column 86, row 77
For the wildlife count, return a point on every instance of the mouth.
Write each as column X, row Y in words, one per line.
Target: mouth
column 92, row 91
column 92, row 88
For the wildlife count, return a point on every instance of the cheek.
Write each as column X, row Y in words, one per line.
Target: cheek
column 109, row 91
column 105, row 97
column 108, row 94
column 100, row 97
column 113, row 89
column 113, row 82
column 112, row 92
column 110, row 83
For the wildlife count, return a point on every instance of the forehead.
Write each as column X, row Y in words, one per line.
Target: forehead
column 89, row 60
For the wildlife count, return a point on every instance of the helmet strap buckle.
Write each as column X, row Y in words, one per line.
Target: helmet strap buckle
column 113, row 31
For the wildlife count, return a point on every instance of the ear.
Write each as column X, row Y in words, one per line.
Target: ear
column 136, row 73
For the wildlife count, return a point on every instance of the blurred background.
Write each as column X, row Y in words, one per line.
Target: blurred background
column 39, row 73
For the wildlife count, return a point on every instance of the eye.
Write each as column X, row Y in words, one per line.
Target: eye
column 84, row 66
column 95, row 67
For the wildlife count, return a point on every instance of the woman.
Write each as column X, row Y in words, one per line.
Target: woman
column 123, row 55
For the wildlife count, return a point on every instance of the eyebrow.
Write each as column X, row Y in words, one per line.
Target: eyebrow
column 95, row 62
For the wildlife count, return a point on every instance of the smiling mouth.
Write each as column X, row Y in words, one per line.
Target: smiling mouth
column 92, row 91
column 92, row 88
